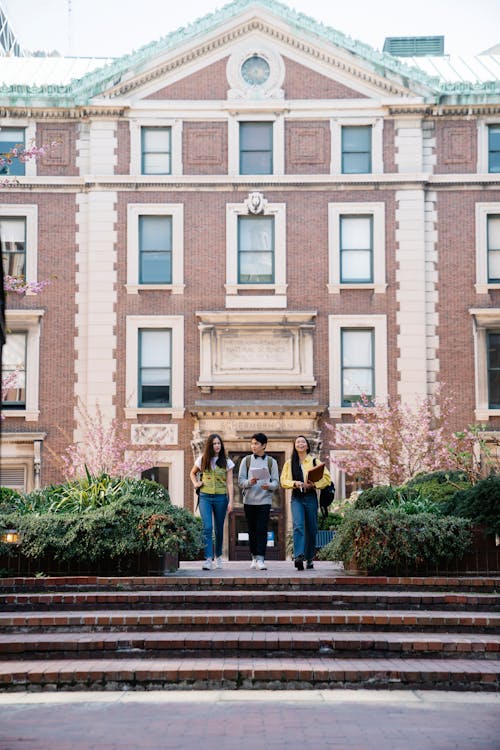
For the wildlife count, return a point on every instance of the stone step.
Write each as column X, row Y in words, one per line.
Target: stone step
column 269, row 643
column 314, row 619
column 302, row 672
column 347, row 599
column 317, row 579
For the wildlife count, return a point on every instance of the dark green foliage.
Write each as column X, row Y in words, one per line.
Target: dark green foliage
column 105, row 524
column 375, row 496
column 330, row 522
column 8, row 499
column 480, row 503
column 439, row 486
column 382, row 540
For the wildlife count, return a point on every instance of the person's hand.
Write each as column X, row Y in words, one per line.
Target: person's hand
column 198, row 483
column 265, row 486
column 230, row 507
column 308, row 485
column 253, row 480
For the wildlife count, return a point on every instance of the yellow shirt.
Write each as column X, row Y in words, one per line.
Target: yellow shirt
column 287, row 479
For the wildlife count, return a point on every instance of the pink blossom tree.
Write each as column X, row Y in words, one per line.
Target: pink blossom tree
column 392, row 442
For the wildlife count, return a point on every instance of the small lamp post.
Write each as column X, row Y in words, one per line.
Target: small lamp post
column 11, row 536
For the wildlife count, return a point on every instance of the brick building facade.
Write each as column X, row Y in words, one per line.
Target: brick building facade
column 246, row 224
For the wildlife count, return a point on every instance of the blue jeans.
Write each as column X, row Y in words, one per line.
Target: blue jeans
column 213, row 513
column 305, row 525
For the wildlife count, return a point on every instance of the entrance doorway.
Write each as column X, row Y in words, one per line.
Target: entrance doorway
column 238, row 532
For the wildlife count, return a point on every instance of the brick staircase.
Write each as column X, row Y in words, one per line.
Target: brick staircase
column 250, row 630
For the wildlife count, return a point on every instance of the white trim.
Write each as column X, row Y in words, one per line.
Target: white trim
column 379, row 325
column 233, row 211
column 335, row 211
column 483, row 210
column 136, row 123
column 482, row 144
column 176, row 211
column 20, row 321
column 30, row 213
column 176, row 324
column 233, row 137
column 483, row 320
column 377, row 155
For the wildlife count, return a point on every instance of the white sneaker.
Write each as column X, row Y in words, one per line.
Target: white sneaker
column 253, row 564
column 207, row 565
column 218, row 562
column 261, row 565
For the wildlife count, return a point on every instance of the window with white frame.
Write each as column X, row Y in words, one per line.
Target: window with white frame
column 358, row 360
column 155, row 146
column 12, row 138
column 257, row 145
column 487, row 247
column 155, row 365
column 21, row 364
column 357, row 145
column 18, row 240
column 486, row 328
column 155, row 247
column 156, row 150
column 494, row 148
column 256, row 253
column 356, row 238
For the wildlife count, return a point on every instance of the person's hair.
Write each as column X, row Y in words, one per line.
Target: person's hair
column 260, row 438
column 296, row 469
column 209, row 453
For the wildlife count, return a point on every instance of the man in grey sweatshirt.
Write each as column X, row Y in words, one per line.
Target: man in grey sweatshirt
column 258, row 478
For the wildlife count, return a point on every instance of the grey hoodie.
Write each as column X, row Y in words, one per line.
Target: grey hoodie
column 254, row 494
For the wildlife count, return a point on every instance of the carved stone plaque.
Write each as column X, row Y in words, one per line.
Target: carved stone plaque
column 154, row 434
column 246, row 352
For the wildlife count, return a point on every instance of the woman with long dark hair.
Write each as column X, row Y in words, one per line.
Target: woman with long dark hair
column 304, row 501
column 216, row 495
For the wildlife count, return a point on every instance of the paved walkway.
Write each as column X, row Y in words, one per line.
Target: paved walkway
column 255, row 720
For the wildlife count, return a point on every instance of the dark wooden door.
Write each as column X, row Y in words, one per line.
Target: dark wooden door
column 238, row 531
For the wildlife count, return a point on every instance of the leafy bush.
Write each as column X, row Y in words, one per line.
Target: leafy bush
column 8, row 499
column 330, row 522
column 439, row 486
column 83, row 523
column 382, row 540
column 480, row 503
column 374, row 496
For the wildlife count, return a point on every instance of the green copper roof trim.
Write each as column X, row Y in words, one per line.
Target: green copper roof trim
column 81, row 91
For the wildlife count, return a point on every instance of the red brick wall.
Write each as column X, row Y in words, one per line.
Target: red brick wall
column 307, row 147
column 204, row 148
column 60, row 159
column 123, row 147
column 456, row 146
column 209, row 83
column 389, row 146
column 304, row 83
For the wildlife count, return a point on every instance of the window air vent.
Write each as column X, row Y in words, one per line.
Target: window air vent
column 414, row 46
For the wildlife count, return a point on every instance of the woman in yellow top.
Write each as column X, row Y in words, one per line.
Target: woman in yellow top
column 216, row 495
column 304, row 501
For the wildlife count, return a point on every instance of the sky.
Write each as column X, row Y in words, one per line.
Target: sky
column 110, row 28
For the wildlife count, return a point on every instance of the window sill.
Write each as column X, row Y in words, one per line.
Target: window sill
column 136, row 288
column 175, row 412
column 376, row 288
column 484, row 414
column 28, row 416
column 338, row 411
column 236, row 288
column 486, row 287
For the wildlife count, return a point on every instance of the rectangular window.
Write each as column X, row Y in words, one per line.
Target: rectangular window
column 156, row 150
column 255, row 250
column 356, row 249
column 155, row 367
column 14, row 371
column 493, row 232
column 256, row 148
column 494, row 148
column 356, row 149
column 493, row 344
column 13, row 244
column 11, row 138
column 155, row 250
column 357, row 368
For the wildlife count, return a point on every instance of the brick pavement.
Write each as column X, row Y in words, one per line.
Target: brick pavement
column 226, row 720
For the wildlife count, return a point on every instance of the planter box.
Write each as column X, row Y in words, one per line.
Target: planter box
column 141, row 564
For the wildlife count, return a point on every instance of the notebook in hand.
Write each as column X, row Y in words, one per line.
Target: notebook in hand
column 316, row 473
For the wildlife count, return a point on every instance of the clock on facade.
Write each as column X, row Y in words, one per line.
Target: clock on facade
column 255, row 70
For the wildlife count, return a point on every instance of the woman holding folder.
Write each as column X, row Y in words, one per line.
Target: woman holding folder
column 304, row 475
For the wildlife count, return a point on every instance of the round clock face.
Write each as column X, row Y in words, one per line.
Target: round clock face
column 255, row 70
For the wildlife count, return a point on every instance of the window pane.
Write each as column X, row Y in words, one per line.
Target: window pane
column 156, row 164
column 11, row 138
column 356, row 163
column 494, row 370
column 356, row 383
column 494, row 232
column 156, row 139
column 13, row 244
column 256, row 250
column 356, row 266
column 494, row 266
column 494, row 148
column 357, row 348
column 155, row 232
column 256, row 233
column 154, row 367
column 256, row 162
column 256, row 267
column 156, row 150
column 156, row 268
column 256, row 136
column 155, row 348
column 14, row 370
column 355, row 232
column 356, row 138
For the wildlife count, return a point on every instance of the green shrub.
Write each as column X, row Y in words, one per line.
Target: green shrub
column 330, row 522
column 382, row 540
column 480, row 503
column 439, row 486
column 8, row 499
column 375, row 496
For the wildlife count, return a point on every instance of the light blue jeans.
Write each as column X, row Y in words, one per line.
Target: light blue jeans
column 213, row 514
column 305, row 525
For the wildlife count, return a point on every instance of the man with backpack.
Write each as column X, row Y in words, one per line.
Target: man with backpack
column 258, row 479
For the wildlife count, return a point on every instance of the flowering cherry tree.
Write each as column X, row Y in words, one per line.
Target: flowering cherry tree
column 104, row 449
column 392, row 442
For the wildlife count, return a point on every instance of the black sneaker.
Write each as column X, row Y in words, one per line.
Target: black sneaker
column 310, row 565
column 299, row 562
